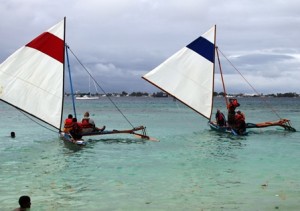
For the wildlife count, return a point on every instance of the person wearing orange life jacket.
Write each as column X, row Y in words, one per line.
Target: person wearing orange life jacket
column 68, row 124
column 88, row 124
column 233, row 104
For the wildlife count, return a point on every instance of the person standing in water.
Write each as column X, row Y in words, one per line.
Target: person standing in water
column 24, row 202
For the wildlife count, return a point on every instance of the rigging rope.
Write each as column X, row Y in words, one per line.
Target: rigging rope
column 272, row 109
column 101, row 88
column 32, row 119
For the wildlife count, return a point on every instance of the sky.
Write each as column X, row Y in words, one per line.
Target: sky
column 119, row 41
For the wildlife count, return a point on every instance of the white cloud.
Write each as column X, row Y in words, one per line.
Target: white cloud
column 123, row 39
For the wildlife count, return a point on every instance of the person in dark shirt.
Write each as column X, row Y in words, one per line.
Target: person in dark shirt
column 76, row 130
column 220, row 118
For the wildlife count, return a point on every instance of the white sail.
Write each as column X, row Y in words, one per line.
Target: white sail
column 188, row 75
column 31, row 79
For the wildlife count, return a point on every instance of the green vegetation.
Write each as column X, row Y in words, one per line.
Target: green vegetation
column 163, row 94
column 288, row 94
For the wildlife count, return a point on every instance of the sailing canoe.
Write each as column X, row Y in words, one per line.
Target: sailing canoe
column 32, row 80
column 188, row 76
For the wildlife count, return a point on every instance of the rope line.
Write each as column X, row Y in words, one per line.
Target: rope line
column 268, row 104
column 100, row 87
column 33, row 120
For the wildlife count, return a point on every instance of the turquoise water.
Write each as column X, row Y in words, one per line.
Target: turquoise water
column 191, row 168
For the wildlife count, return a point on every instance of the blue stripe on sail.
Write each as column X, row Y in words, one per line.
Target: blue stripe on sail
column 203, row 47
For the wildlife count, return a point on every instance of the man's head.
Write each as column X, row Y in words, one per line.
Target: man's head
column 86, row 114
column 24, row 202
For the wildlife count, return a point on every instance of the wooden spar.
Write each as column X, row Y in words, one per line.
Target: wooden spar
column 107, row 132
column 132, row 131
column 175, row 98
column 213, row 82
column 223, row 83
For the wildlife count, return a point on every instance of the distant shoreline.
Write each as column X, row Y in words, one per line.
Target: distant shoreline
column 163, row 94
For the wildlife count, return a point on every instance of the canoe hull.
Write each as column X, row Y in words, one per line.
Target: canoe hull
column 68, row 138
column 225, row 129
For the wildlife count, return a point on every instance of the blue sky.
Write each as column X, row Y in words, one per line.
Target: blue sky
column 121, row 40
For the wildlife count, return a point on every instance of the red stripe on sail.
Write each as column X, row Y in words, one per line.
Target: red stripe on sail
column 49, row 44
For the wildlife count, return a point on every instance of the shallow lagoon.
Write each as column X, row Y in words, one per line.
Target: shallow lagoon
column 191, row 168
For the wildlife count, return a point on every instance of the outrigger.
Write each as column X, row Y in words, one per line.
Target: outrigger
column 68, row 137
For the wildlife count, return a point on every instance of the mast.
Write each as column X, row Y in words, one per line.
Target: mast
column 71, row 83
column 214, row 65
column 223, row 83
column 63, row 87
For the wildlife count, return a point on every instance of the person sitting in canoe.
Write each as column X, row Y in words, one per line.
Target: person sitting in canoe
column 76, row 129
column 88, row 124
column 239, row 113
column 240, row 124
column 68, row 123
column 220, row 118
column 233, row 104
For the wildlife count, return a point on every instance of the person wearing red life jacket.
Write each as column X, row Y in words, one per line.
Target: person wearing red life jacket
column 233, row 104
column 76, row 129
column 240, row 114
column 88, row 124
column 240, row 124
column 68, row 123
column 220, row 118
